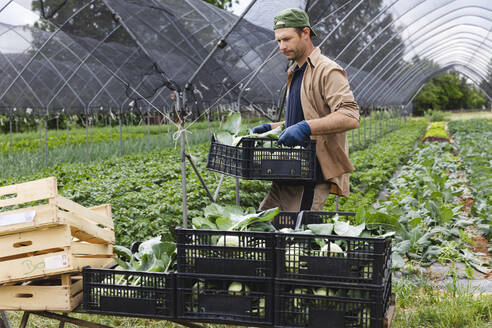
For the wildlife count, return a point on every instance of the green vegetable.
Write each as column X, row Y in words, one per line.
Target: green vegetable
column 298, row 301
column 234, row 218
column 292, row 258
column 320, row 291
column 153, row 255
column 229, row 132
column 335, row 250
column 230, row 241
column 238, row 289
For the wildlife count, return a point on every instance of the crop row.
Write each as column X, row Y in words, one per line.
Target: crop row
column 375, row 165
column 425, row 209
column 33, row 141
column 474, row 141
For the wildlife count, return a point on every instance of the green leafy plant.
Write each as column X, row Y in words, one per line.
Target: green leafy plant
column 231, row 131
column 234, row 218
column 437, row 130
column 154, row 255
column 474, row 142
column 424, row 210
column 434, row 115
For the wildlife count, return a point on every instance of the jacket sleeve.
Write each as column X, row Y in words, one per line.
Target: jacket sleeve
column 337, row 94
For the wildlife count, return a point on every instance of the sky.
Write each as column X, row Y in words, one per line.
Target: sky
column 238, row 8
column 16, row 14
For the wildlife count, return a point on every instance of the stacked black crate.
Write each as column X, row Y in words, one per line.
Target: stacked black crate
column 328, row 280
column 129, row 293
column 225, row 276
column 263, row 159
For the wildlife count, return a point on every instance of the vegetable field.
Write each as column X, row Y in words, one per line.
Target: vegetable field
column 432, row 198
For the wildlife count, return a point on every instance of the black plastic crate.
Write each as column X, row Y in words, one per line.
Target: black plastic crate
column 262, row 159
column 291, row 219
column 129, row 293
column 205, row 252
column 336, row 305
column 211, row 298
column 361, row 260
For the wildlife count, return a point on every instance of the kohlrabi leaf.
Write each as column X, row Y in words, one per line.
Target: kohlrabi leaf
column 232, row 124
column 203, row 223
column 224, row 223
column 213, row 210
column 345, row 229
column 398, row 261
column 321, row 229
column 123, row 252
column 225, row 138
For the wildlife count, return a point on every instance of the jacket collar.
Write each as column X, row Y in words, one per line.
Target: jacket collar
column 312, row 59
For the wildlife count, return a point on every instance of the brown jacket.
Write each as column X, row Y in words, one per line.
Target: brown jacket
column 324, row 90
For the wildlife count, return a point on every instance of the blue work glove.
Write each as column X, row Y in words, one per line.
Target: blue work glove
column 262, row 128
column 295, row 135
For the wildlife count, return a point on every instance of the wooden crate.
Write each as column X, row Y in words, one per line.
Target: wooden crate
column 89, row 224
column 60, row 236
column 62, row 294
column 48, row 251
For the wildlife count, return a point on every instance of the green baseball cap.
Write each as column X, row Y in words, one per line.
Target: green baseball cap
column 292, row 17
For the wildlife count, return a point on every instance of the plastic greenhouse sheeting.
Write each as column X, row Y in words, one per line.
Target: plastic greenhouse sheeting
column 78, row 55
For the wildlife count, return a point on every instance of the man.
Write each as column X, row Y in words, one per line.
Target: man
column 319, row 106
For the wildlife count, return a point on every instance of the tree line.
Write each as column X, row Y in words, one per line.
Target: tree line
column 449, row 91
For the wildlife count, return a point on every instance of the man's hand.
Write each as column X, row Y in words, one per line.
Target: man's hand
column 262, row 128
column 295, row 135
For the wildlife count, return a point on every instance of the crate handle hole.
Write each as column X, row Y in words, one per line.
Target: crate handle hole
column 23, row 244
column 8, row 196
column 24, row 295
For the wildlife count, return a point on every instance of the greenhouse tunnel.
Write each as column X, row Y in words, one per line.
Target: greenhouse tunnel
column 81, row 57
column 78, row 55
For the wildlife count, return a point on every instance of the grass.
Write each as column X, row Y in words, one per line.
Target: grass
column 419, row 304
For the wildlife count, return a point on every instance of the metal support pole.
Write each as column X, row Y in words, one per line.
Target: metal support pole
column 183, row 163
column 121, row 132
column 358, row 136
column 365, row 130
column 66, row 128
column 110, row 119
column 380, row 121
column 24, row 320
column 11, row 139
column 200, row 178
column 46, row 138
column 4, row 320
column 62, row 323
column 86, row 135
column 148, row 128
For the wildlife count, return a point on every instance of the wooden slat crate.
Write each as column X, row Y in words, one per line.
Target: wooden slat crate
column 89, row 224
column 49, row 239
column 61, row 293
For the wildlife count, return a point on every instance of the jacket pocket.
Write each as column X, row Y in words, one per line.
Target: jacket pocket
column 332, row 157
